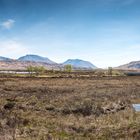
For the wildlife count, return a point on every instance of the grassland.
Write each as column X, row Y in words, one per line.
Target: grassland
column 69, row 108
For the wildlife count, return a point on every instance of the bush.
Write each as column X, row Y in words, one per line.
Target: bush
column 68, row 68
column 37, row 70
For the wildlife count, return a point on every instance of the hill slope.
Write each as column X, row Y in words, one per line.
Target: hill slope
column 36, row 58
column 22, row 65
column 77, row 63
column 4, row 58
column 131, row 65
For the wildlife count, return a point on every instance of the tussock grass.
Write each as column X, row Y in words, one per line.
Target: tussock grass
column 46, row 108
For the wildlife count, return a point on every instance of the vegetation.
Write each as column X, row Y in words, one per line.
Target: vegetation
column 37, row 70
column 30, row 69
column 110, row 71
column 68, row 68
column 73, row 108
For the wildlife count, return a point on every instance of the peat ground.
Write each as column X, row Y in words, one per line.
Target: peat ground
column 69, row 108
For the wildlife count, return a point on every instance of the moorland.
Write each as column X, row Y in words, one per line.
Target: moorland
column 51, row 108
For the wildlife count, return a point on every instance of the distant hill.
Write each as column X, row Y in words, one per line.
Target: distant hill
column 22, row 65
column 4, row 58
column 36, row 58
column 77, row 63
column 132, row 65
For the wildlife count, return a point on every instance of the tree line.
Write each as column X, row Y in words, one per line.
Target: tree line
column 40, row 70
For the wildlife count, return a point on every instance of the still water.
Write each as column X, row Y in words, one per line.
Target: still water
column 136, row 107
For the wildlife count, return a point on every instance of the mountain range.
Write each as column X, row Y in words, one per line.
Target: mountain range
column 36, row 60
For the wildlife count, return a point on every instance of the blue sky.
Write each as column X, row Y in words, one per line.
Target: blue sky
column 105, row 32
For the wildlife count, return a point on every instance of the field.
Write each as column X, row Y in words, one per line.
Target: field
column 69, row 108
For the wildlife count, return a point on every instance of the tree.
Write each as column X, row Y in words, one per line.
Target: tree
column 41, row 69
column 30, row 69
column 37, row 70
column 110, row 70
column 68, row 68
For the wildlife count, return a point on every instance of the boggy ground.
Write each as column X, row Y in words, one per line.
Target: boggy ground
column 69, row 108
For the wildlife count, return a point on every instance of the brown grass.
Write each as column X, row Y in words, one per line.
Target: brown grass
column 69, row 108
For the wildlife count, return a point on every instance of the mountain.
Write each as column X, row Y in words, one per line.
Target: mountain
column 132, row 65
column 4, row 58
column 22, row 65
column 77, row 63
column 36, row 58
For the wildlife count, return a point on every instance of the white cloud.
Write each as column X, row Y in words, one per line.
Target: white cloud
column 8, row 24
column 12, row 48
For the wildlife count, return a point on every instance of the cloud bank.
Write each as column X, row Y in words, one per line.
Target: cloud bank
column 12, row 48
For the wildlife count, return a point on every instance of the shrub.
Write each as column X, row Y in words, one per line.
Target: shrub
column 68, row 68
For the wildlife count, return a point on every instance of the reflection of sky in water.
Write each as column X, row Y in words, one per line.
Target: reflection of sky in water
column 136, row 107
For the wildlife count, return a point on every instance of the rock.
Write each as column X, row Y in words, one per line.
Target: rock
column 115, row 107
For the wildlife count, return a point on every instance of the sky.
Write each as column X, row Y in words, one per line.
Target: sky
column 104, row 32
